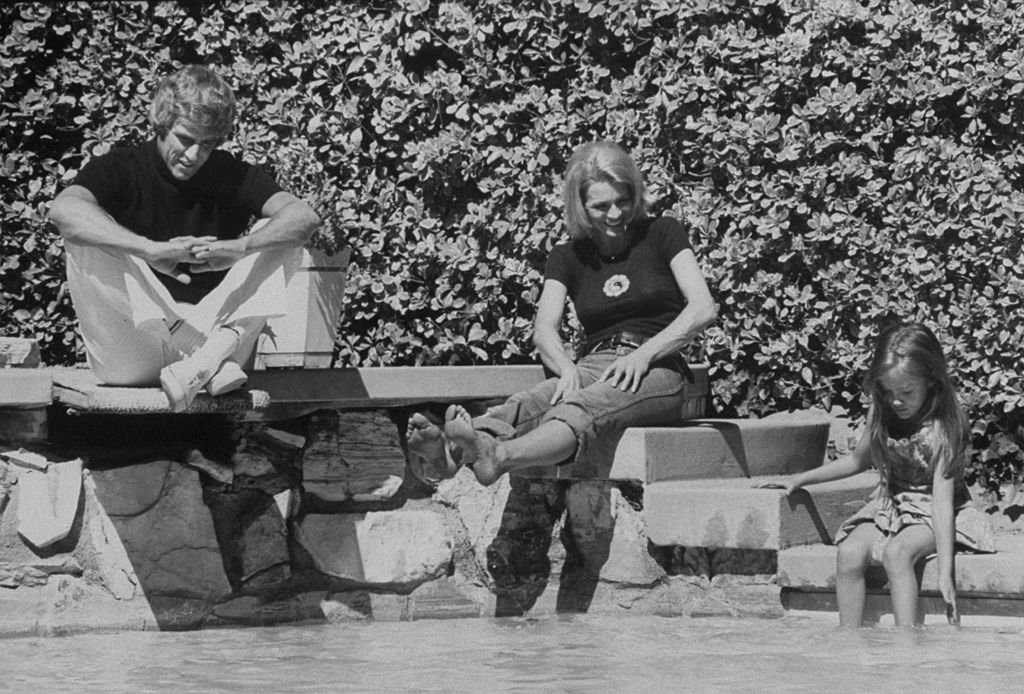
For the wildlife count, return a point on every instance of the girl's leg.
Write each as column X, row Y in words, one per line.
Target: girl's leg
column 904, row 550
column 852, row 558
column 550, row 443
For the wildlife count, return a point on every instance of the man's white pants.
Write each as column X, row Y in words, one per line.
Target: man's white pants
column 125, row 312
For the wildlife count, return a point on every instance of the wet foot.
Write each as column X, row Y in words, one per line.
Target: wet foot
column 427, row 449
column 477, row 450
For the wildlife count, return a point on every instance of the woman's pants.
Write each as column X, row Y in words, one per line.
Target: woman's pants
column 597, row 408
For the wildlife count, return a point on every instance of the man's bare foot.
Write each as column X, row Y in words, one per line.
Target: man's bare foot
column 477, row 449
column 427, row 450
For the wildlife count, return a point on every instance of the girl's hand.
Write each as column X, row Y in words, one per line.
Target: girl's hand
column 947, row 588
column 626, row 372
column 568, row 382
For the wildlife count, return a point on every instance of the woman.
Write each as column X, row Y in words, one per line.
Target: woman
column 640, row 296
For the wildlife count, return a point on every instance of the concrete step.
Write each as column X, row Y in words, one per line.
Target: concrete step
column 25, row 388
column 733, row 513
column 780, row 444
column 987, row 584
column 705, row 449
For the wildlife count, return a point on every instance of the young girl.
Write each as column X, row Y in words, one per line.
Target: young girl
column 916, row 437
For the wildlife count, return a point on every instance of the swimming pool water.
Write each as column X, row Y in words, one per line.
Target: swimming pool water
column 579, row 653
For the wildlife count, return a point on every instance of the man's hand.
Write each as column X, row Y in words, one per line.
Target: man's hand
column 213, row 255
column 166, row 256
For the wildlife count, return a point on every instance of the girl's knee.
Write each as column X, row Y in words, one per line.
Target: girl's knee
column 898, row 556
column 851, row 558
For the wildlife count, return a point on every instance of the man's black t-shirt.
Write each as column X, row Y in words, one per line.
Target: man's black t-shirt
column 134, row 186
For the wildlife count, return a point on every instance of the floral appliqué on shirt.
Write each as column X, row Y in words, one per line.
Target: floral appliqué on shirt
column 616, row 286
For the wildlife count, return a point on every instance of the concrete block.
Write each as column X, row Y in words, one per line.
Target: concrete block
column 999, row 575
column 21, row 352
column 694, row 449
column 304, row 337
column 709, row 448
column 25, row 388
column 733, row 513
column 975, row 610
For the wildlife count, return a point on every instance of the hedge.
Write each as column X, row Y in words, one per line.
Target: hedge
column 841, row 164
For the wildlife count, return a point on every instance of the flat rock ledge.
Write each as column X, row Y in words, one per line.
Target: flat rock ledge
column 174, row 542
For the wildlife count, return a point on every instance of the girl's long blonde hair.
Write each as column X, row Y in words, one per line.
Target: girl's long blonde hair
column 914, row 348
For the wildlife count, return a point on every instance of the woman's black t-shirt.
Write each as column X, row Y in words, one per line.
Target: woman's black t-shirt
column 635, row 291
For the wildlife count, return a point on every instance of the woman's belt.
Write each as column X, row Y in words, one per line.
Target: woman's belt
column 623, row 338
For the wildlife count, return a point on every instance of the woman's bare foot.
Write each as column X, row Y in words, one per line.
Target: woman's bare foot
column 427, row 450
column 477, row 449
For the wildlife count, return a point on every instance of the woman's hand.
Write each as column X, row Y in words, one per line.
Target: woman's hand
column 568, row 382
column 626, row 372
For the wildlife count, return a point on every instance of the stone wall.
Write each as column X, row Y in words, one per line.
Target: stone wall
column 183, row 522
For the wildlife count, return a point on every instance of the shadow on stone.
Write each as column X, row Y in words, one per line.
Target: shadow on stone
column 517, row 558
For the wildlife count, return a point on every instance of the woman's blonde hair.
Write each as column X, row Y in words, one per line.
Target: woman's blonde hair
column 195, row 94
column 594, row 162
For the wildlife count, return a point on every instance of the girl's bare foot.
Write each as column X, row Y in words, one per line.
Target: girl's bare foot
column 478, row 449
column 427, row 450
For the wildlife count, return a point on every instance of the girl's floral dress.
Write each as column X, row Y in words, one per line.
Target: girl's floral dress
column 904, row 497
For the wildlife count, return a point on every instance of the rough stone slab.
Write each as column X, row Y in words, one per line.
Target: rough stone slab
column 999, row 575
column 22, row 426
column 81, row 390
column 256, row 611
column 112, row 564
column 25, row 388
column 157, row 511
column 48, row 502
column 438, row 599
column 388, row 548
column 19, row 352
column 609, row 535
column 352, row 455
column 733, row 513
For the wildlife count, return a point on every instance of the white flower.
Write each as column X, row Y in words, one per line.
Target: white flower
column 616, row 286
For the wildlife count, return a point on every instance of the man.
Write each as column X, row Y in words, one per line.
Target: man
column 171, row 280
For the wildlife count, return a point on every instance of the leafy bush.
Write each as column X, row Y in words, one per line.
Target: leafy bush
column 841, row 164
